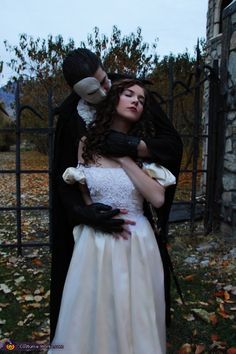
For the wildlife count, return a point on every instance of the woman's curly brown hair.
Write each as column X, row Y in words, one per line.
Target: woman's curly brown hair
column 106, row 110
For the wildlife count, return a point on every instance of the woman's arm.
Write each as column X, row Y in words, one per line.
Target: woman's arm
column 150, row 189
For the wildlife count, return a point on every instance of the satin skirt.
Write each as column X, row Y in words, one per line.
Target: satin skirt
column 113, row 298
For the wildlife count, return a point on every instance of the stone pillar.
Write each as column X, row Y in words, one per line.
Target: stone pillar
column 214, row 47
column 222, row 47
column 228, row 78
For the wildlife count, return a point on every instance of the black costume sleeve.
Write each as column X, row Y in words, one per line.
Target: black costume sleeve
column 166, row 150
column 166, row 147
column 69, row 130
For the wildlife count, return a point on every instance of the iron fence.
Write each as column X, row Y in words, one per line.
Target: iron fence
column 192, row 209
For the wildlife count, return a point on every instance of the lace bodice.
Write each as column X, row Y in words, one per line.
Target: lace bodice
column 113, row 187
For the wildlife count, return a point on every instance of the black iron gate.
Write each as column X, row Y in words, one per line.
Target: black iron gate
column 18, row 171
column 206, row 208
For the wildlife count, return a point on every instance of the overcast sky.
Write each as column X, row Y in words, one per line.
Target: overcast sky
column 177, row 23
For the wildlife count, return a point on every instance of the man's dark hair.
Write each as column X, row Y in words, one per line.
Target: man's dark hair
column 79, row 64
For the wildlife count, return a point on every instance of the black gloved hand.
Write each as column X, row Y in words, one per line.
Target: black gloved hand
column 118, row 144
column 99, row 216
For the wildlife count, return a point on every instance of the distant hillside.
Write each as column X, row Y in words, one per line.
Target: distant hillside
column 8, row 99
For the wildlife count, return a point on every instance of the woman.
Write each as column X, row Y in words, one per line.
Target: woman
column 113, row 299
column 68, row 208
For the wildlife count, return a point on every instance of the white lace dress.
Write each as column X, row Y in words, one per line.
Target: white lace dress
column 113, row 298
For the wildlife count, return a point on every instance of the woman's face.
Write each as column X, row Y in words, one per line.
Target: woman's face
column 131, row 103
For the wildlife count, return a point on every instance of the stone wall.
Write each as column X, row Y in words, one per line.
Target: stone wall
column 228, row 74
column 214, row 48
column 222, row 47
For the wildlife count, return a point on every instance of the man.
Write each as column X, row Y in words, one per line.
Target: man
column 85, row 74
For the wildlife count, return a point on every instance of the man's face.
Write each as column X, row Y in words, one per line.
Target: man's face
column 102, row 77
column 93, row 89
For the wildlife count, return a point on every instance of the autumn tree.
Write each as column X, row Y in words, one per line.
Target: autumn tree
column 123, row 54
column 7, row 138
column 37, row 63
column 40, row 60
column 178, row 71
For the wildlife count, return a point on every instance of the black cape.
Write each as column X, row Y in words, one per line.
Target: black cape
column 165, row 149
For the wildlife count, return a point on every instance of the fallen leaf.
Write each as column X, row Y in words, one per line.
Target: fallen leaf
column 38, row 298
column 226, row 295
column 13, row 260
column 28, row 297
column 37, row 262
column 218, row 345
column 179, row 301
column 203, row 303
column 20, row 323
column 200, row 348
column 213, row 318
column 5, row 288
column 225, row 263
column 204, row 315
column 221, row 311
column 47, row 294
column 29, row 317
column 219, row 293
column 228, row 287
column 189, row 277
column 19, row 280
column 233, row 290
column 231, row 350
column 4, row 304
column 35, row 305
column 38, row 334
column 185, row 349
column 189, row 317
column 39, row 291
column 214, row 337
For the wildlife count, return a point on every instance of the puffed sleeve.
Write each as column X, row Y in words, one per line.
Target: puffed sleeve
column 160, row 173
column 74, row 174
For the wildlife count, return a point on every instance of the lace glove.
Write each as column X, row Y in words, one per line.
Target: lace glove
column 99, row 216
column 118, row 144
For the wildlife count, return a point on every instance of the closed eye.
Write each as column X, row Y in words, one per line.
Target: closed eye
column 130, row 93
column 103, row 81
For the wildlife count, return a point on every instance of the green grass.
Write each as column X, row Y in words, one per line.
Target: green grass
column 25, row 322
column 200, row 286
column 199, row 290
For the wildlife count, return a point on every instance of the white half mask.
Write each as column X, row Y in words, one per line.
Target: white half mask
column 90, row 90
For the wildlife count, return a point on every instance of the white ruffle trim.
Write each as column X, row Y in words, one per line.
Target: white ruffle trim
column 86, row 112
column 72, row 175
column 160, row 173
